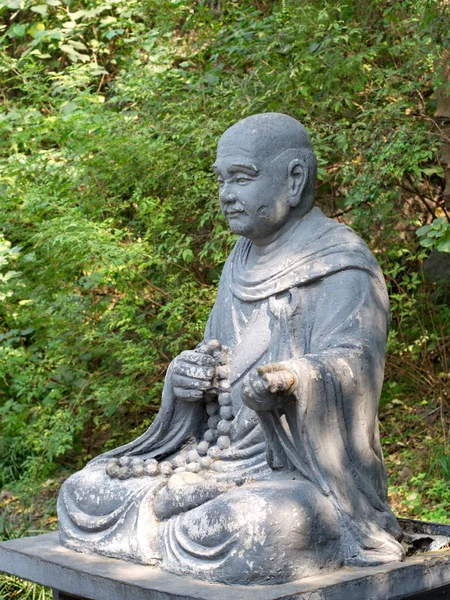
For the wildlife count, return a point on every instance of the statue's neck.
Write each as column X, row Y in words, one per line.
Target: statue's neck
column 261, row 250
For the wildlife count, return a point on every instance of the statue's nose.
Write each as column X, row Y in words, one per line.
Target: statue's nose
column 226, row 195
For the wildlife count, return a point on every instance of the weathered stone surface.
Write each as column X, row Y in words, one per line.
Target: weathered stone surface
column 43, row 560
column 264, row 463
column 57, row 595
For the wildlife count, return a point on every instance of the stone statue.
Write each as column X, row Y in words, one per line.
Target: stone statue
column 264, row 463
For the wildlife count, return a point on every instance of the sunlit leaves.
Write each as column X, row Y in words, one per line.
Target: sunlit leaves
column 107, row 134
column 436, row 235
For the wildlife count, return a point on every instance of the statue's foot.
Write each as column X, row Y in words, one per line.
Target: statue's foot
column 266, row 532
column 184, row 492
column 110, row 516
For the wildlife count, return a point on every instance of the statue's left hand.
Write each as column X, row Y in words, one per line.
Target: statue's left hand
column 263, row 386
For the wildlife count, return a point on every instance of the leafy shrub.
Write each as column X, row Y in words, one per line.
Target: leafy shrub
column 113, row 243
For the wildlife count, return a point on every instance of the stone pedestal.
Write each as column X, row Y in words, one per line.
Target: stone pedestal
column 75, row 576
column 57, row 595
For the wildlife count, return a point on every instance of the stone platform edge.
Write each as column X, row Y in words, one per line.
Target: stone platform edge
column 43, row 560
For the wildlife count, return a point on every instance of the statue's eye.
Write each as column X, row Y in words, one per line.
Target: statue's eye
column 242, row 180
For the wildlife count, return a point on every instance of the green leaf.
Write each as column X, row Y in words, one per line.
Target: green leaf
column 67, row 108
column 14, row 4
column 78, row 45
column 18, row 30
column 435, row 170
column 73, row 54
column 444, row 244
column 423, row 230
column 27, row 331
column 41, row 9
column 187, row 255
column 79, row 14
column 314, row 47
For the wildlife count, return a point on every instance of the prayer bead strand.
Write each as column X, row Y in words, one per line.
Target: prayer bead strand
column 208, row 451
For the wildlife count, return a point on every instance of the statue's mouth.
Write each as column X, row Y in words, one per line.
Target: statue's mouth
column 234, row 213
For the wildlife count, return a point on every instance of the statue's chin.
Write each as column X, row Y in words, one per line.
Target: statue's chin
column 239, row 228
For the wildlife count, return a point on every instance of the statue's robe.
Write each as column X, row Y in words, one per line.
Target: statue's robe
column 303, row 485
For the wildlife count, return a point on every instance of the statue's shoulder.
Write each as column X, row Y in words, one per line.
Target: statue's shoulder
column 327, row 247
column 325, row 234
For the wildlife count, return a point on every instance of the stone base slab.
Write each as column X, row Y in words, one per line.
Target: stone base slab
column 88, row 576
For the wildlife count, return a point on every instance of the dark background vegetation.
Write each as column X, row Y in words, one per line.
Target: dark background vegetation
column 111, row 242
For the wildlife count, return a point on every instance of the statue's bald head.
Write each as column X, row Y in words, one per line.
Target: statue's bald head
column 273, row 138
column 267, row 171
column 268, row 134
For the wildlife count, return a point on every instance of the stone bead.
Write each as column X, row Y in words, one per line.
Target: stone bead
column 113, row 470
column 135, row 460
column 202, row 447
column 223, row 442
column 226, row 412
column 212, row 408
column 206, row 462
column 217, row 354
column 222, row 372
column 179, row 461
column 210, row 435
column 193, row 467
column 124, row 461
column 214, row 346
column 124, row 473
column 212, row 421
column 151, row 467
column 165, row 468
column 180, row 470
column 224, row 386
column 224, row 427
column 192, row 456
column 138, row 469
column 225, row 399
column 214, row 452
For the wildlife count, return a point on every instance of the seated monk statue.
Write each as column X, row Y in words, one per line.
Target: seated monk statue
column 264, row 463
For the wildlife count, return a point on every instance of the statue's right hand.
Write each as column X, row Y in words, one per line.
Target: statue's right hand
column 192, row 375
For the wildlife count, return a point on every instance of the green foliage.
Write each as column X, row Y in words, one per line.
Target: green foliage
column 7, row 255
column 112, row 240
column 13, row 526
column 426, row 499
column 13, row 588
column 436, row 235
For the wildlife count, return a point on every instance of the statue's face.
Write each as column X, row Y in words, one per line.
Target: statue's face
column 253, row 191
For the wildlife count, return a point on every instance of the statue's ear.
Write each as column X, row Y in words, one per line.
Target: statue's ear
column 297, row 176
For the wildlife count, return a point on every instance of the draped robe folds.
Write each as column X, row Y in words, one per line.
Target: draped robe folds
column 318, row 304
